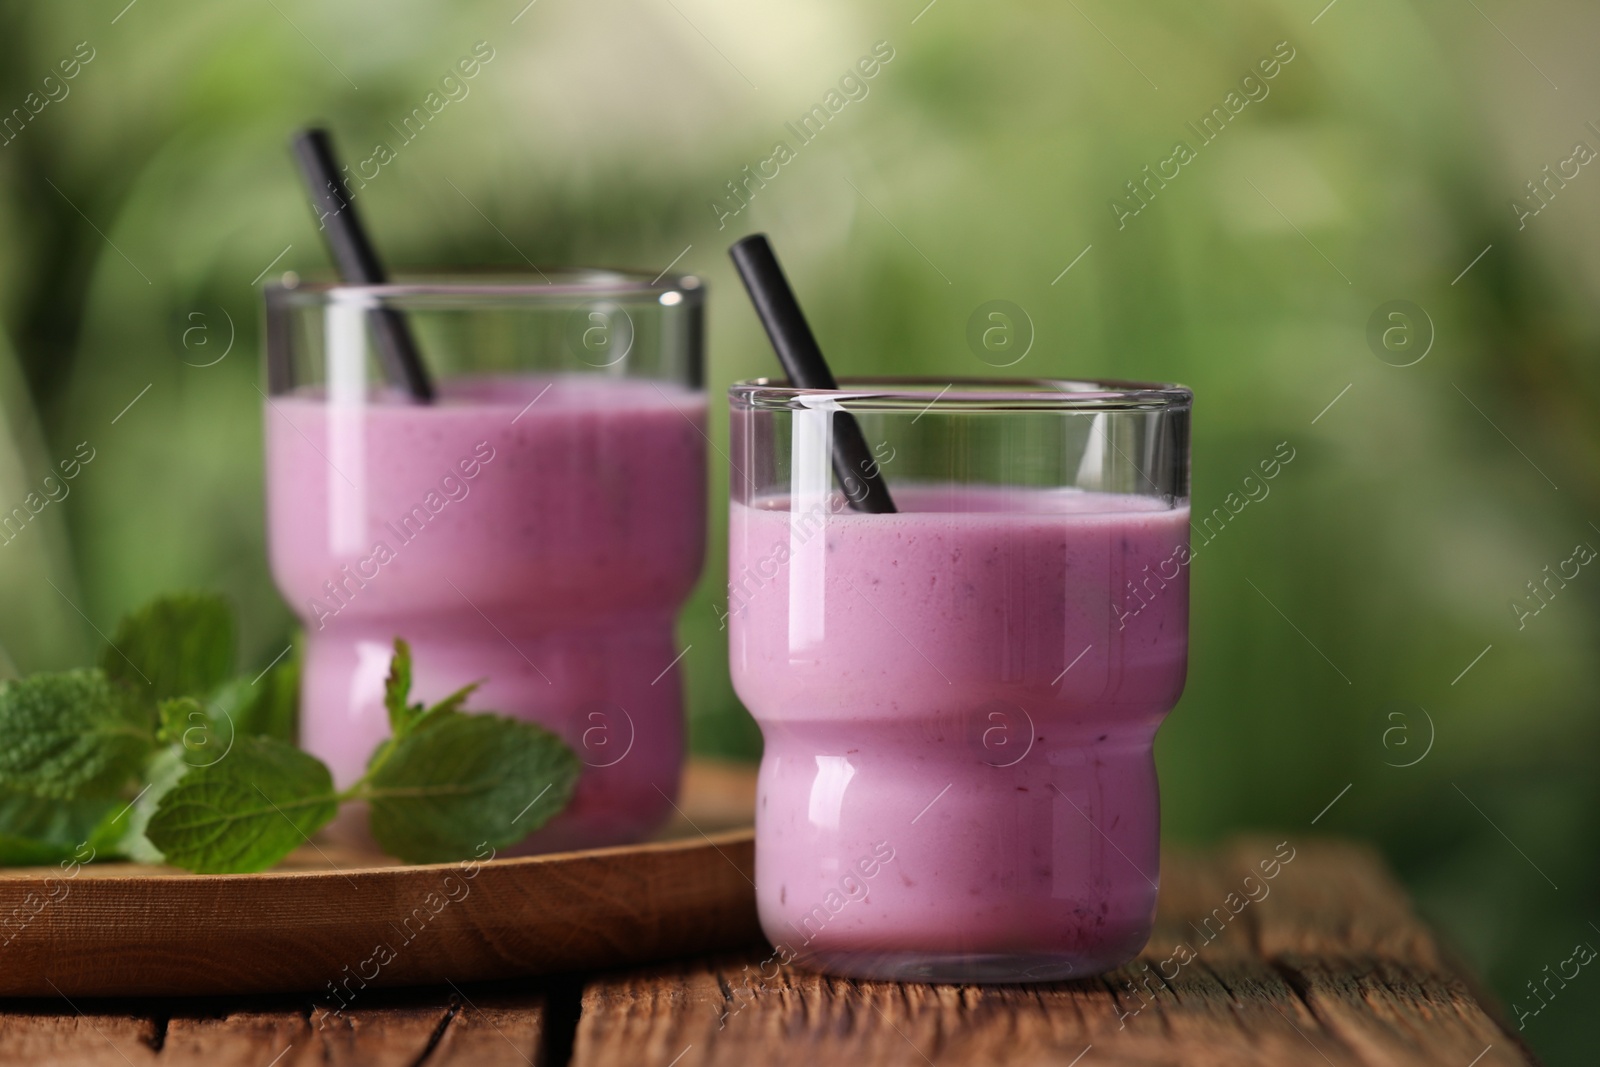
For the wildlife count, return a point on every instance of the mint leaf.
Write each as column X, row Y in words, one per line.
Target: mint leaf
column 175, row 646
column 454, row 701
column 267, row 705
column 69, row 735
column 202, row 736
column 397, row 690
column 16, row 851
column 246, row 811
column 273, row 709
column 35, row 831
column 162, row 775
column 456, row 781
column 175, row 718
column 403, row 716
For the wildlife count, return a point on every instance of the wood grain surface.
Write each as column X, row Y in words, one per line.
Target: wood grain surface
column 333, row 923
column 1322, row 963
column 441, row 1028
column 1329, row 966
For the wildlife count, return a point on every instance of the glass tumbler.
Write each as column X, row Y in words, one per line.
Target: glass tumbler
column 959, row 698
column 537, row 528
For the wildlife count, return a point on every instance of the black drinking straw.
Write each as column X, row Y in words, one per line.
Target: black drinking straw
column 357, row 261
column 803, row 362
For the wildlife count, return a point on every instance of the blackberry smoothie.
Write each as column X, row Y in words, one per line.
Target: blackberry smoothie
column 537, row 533
column 959, row 702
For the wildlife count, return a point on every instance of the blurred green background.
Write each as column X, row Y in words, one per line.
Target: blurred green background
column 1332, row 623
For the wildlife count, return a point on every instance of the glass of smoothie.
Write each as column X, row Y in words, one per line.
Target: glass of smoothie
column 959, row 698
column 536, row 528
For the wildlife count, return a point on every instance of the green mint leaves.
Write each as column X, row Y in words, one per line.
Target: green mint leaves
column 447, row 782
column 162, row 754
column 245, row 812
column 177, row 646
column 463, row 780
column 69, row 735
column 404, row 716
column 441, row 786
column 397, row 690
column 40, row 831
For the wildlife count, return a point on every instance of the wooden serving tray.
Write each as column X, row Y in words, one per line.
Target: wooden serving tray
column 335, row 921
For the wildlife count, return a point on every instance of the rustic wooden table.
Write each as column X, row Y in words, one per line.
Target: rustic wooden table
column 1322, row 963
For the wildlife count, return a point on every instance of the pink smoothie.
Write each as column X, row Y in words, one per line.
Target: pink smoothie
column 959, row 702
column 539, row 534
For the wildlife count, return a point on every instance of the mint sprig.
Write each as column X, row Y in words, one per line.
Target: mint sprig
column 161, row 754
column 446, row 782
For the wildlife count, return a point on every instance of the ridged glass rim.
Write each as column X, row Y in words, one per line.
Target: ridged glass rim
column 893, row 394
column 556, row 286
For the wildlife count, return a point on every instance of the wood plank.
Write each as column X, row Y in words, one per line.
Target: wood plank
column 381, row 1035
column 82, row 1035
column 1343, row 933
column 493, row 1028
column 444, row 1027
column 1327, row 965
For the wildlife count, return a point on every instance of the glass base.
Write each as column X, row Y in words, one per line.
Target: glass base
column 958, row 968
